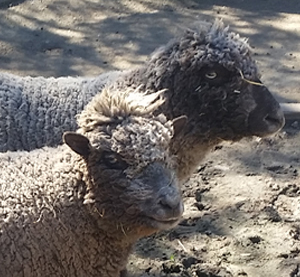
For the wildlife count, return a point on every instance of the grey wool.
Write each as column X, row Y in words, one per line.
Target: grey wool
column 209, row 76
column 35, row 111
column 78, row 208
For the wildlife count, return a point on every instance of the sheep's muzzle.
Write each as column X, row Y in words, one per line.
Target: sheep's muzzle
column 267, row 117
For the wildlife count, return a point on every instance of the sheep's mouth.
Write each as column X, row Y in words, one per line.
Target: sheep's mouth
column 163, row 224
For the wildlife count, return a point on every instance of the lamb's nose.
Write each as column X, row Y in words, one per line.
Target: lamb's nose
column 172, row 204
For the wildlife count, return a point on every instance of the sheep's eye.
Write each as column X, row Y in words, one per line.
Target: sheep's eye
column 211, row 75
column 215, row 75
column 114, row 160
column 111, row 158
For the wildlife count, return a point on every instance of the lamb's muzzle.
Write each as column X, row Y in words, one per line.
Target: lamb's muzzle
column 165, row 208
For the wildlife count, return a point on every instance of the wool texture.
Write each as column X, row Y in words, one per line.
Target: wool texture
column 68, row 214
column 35, row 111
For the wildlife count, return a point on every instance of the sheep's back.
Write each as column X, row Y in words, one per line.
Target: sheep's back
column 35, row 111
column 32, row 180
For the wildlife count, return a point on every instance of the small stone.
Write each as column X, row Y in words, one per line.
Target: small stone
column 188, row 262
column 255, row 239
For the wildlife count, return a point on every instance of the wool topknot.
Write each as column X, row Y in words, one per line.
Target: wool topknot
column 113, row 104
column 209, row 43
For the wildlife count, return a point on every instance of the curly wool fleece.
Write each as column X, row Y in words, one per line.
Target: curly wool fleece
column 35, row 111
column 64, row 214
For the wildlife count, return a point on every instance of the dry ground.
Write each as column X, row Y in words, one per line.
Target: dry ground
column 242, row 213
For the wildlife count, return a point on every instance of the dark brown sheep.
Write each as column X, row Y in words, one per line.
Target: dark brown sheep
column 209, row 75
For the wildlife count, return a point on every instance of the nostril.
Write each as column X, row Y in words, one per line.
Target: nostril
column 275, row 118
column 169, row 203
column 173, row 205
column 272, row 118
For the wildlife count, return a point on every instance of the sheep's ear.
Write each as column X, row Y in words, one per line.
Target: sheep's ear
column 78, row 143
column 179, row 124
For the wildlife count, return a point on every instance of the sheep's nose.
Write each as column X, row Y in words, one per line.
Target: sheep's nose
column 172, row 205
column 276, row 117
column 267, row 117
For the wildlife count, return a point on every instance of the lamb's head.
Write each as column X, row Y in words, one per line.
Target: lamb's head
column 211, row 77
column 131, row 179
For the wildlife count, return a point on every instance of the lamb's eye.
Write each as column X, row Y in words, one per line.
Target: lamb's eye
column 111, row 158
column 211, row 75
column 114, row 160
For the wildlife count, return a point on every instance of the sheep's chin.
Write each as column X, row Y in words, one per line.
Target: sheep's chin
column 163, row 224
column 270, row 129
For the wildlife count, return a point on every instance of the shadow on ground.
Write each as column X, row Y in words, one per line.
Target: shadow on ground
column 55, row 38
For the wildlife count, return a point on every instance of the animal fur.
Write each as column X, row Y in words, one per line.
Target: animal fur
column 35, row 111
column 77, row 210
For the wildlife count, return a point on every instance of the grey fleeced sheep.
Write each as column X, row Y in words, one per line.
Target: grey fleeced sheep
column 77, row 210
column 35, row 111
column 209, row 76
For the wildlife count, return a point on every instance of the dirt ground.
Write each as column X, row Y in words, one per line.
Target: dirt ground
column 242, row 207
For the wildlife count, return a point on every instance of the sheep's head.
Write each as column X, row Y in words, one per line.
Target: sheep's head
column 211, row 77
column 132, row 184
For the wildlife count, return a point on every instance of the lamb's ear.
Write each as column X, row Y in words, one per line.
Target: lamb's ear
column 78, row 143
column 179, row 124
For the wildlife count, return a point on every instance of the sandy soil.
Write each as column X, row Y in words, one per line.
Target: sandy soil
column 242, row 207
column 242, row 215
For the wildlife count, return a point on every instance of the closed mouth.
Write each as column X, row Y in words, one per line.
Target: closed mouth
column 164, row 223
